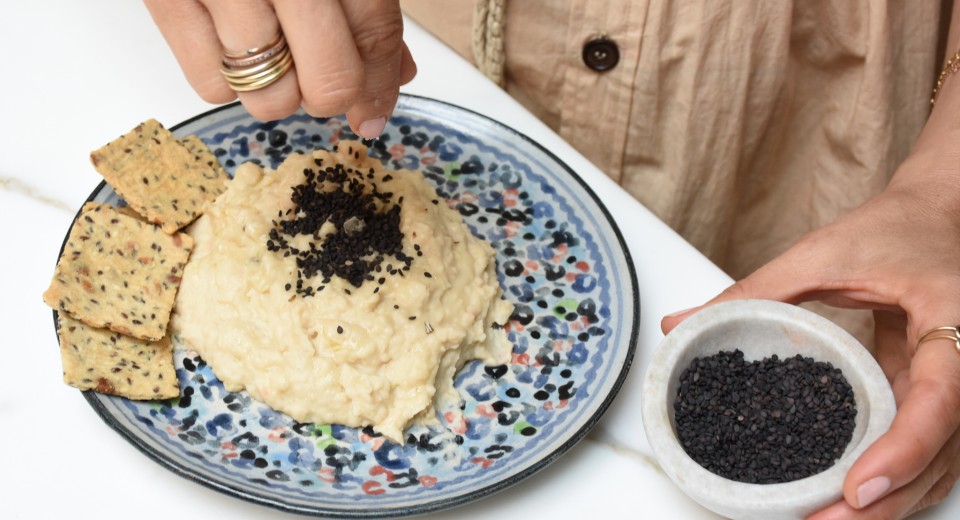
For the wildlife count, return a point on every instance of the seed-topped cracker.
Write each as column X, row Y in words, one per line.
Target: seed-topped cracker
column 166, row 181
column 203, row 156
column 118, row 272
column 112, row 363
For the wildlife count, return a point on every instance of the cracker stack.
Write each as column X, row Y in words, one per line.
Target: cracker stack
column 116, row 283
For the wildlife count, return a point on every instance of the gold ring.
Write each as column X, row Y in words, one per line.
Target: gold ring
column 235, row 55
column 249, row 74
column 951, row 333
column 255, row 55
column 265, row 78
column 258, row 67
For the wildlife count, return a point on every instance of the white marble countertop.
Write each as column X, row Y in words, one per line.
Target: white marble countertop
column 80, row 73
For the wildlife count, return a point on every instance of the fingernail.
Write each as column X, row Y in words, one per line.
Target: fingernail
column 678, row 313
column 372, row 128
column 871, row 490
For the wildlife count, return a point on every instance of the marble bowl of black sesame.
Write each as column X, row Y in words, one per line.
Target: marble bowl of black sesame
column 757, row 409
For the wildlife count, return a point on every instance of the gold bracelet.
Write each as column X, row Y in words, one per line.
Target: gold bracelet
column 953, row 65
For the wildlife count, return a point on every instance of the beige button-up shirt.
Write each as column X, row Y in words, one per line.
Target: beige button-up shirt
column 742, row 124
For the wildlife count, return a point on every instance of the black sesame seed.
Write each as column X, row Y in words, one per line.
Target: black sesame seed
column 766, row 421
column 352, row 255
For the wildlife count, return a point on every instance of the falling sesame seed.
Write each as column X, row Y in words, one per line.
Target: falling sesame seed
column 427, row 274
column 339, row 329
column 411, row 318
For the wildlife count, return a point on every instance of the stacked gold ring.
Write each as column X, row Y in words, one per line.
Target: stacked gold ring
column 951, row 333
column 258, row 67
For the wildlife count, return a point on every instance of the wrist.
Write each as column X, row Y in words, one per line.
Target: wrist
column 929, row 182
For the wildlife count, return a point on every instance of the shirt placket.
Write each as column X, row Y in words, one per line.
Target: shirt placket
column 595, row 100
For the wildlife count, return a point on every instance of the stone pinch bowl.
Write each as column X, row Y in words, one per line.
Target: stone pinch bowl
column 761, row 328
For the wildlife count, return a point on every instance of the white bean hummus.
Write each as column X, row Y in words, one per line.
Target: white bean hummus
column 314, row 319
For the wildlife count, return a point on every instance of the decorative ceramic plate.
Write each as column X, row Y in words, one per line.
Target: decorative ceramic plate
column 561, row 261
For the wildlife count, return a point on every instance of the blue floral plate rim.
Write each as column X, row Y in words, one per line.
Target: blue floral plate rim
column 444, row 503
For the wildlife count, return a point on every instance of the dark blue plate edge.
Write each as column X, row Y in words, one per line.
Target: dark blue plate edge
column 431, row 507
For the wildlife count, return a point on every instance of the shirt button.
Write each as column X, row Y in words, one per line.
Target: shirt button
column 601, row 54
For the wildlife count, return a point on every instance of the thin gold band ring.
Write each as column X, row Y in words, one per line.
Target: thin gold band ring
column 952, row 333
column 238, row 55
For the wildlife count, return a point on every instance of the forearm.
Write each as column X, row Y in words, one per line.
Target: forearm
column 935, row 157
column 941, row 134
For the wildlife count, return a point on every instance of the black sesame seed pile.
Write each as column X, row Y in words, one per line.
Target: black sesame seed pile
column 367, row 224
column 763, row 422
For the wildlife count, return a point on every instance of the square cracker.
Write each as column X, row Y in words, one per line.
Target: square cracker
column 112, row 363
column 119, row 273
column 202, row 155
column 165, row 181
